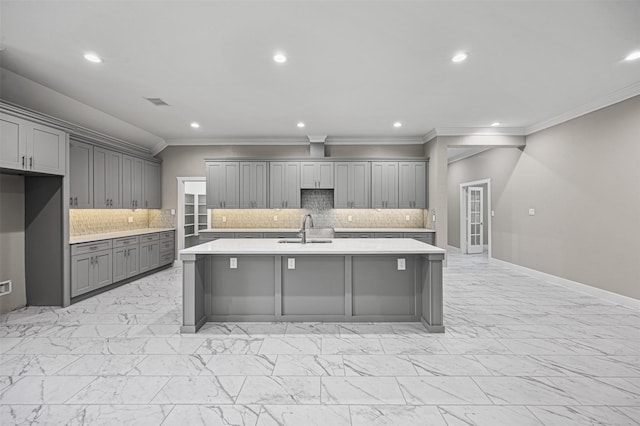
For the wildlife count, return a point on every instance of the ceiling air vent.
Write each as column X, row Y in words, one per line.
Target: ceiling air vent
column 157, row 101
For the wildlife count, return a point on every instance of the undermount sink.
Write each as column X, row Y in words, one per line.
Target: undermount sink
column 299, row 241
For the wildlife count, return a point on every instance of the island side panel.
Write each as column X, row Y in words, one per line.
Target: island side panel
column 314, row 287
column 382, row 292
column 193, row 293
column 432, row 309
column 243, row 293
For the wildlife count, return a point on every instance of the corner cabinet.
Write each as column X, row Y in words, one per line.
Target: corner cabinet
column 80, row 175
column 31, row 147
column 352, row 185
column 223, row 184
column 284, row 185
column 316, row 175
column 412, row 185
column 152, row 188
column 384, row 184
column 253, row 185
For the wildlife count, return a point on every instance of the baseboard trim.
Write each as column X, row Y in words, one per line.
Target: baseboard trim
column 573, row 285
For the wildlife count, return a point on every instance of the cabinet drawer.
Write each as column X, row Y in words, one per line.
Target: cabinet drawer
column 388, row 234
column 166, row 246
column 149, row 237
column 249, row 235
column 90, row 247
column 425, row 237
column 281, row 235
column 166, row 235
column 166, row 258
column 210, row 236
column 125, row 241
column 344, row 235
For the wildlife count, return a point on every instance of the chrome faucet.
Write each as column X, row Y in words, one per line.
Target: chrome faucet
column 303, row 228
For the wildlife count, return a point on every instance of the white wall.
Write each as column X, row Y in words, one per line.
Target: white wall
column 583, row 179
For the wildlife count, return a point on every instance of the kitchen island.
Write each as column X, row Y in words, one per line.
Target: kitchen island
column 338, row 280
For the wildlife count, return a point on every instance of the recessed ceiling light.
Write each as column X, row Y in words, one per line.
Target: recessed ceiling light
column 300, row 125
column 460, row 57
column 633, row 56
column 280, row 58
column 397, row 124
column 495, row 124
column 92, row 57
column 195, row 125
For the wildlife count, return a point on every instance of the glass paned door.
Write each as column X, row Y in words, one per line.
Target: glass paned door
column 474, row 220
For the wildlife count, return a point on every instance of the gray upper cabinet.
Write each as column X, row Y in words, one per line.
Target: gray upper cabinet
column 384, row 184
column 152, row 187
column 80, row 175
column 107, row 179
column 352, row 185
column 253, row 185
column 223, row 184
column 132, row 182
column 412, row 184
column 316, row 175
column 31, row 147
column 284, row 185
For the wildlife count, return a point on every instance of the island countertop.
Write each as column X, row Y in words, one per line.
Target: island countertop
column 348, row 230
column 349, row 246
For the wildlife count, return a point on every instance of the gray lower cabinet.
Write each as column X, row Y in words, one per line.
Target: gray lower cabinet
column 352, row 184
column 355, row 235
column 126, row 263
column 149, row 256
column 284, row 185
column 90, row 271
column 425, row 237
column 205, row 237
column 412, row 185
column 166, row 250
column 384, row 184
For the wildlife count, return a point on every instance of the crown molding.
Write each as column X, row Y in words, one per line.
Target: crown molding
column 468, row 154
column 603, row 102
column 235, row 140
column 159, row 147
column 480, row 131
column 431, row 134
column 374, row 140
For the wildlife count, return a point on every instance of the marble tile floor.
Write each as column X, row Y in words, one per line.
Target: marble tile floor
column 517, row 351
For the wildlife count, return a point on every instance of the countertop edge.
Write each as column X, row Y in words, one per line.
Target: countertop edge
column 118, row 234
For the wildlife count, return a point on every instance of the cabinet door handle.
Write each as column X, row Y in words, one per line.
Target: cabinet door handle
column 286, row 203
column 31, row 162
column 75, row 201
column 224, row 204
column 93, row 248
column 71, row 201
column 23, row 161
column 146, row 203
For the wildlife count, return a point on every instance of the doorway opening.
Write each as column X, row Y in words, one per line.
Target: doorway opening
column 192, row 212
column 475, row 217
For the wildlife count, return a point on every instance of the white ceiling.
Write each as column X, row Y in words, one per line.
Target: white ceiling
column 354, row 67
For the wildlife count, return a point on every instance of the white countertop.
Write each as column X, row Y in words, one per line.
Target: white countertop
column 337, row 246
column 110, row 235
column 336, row 229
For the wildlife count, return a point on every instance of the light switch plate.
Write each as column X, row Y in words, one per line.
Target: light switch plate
column 402, row 264
column 130, row 219
column 275, row 218
column 407, row 218
column 233, row 263
column 349, row 218
column 493, row 213
column 291, row 263
column 532, row 212
column 224, row 219
column 173, row 212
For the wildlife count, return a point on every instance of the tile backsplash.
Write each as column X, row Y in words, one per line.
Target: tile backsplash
column 98, row 221
column 337, row 218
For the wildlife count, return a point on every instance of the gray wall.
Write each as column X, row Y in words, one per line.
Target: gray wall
column 582, row 177
column 186, row 161
column 12, row 241
column 436, row 151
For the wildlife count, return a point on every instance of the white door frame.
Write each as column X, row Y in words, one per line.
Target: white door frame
column 180, row 208
column 463, row 212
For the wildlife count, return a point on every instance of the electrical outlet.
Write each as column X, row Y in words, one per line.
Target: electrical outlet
column 275, row 218
column 233, row 263
column 224, row 219
column 402, row 264
column 407, row 218
column 532, row 212
column 130, row 219
column 493, row 213
column 5, row 287
column 291, row 263
column 349, row 218
column 173, row 212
